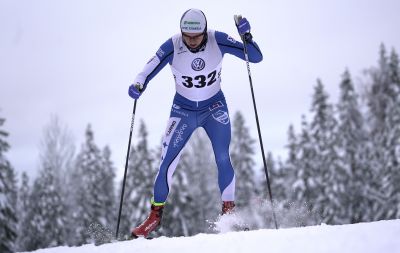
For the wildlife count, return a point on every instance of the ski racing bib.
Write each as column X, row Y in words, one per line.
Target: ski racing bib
column 197, row 75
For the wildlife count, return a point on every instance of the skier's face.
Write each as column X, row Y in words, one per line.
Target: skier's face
column 193, row 40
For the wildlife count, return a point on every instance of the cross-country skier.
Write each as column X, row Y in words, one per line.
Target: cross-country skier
column 195, row 57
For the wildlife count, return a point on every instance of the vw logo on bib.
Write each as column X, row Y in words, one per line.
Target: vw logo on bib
column 198, row 64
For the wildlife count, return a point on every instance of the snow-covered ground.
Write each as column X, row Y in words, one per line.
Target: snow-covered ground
column 382, row 237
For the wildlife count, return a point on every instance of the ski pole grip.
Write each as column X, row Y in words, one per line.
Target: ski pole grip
column 237, row 18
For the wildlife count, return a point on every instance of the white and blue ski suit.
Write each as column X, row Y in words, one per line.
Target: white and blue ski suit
column 198, row 102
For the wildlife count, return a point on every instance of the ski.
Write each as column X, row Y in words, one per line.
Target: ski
column 124, row 238
column 103, row 235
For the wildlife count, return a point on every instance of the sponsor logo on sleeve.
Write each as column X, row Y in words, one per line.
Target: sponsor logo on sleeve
column 229, row 38
column 160, row 53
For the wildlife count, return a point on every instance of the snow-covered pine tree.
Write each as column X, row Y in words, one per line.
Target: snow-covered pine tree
column 378, row 91
column 91, row 200
column 289, row 213
column 126, row 224
column 278, row 179
column 242, row 156
column 290, row 182
column 47, row 211
column 108, row 186
column 383, row 118
column 305, row 186
column 139, row 182
column 351, row 136
column 377, row 100
column 290, row 166
column 24, row 205
column 326, row 168
column 57, row 151
column 394, row 135
column 8, row 197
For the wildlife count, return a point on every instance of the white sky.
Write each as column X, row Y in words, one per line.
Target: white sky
column 76, row 59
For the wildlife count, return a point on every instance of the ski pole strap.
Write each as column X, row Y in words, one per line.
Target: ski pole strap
column 155, row 203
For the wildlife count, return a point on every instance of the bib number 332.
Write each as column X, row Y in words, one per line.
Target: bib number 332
column 200, row 81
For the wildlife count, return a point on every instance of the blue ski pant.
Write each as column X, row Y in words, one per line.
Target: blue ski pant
column 186, row 115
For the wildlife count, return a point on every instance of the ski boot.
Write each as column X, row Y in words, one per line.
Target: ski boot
column 152, row 223
column 228, row 207
column 232, row 219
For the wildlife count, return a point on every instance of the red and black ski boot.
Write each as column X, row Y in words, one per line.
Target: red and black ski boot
column 152, row 223
column 228, row 207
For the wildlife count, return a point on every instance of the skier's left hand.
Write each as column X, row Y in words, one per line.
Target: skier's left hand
column 243, row 26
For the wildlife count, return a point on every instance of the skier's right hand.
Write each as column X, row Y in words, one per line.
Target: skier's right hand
column 243, row 27
column 135, row 90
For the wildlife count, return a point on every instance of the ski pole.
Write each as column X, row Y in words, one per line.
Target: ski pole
column 126, row 169
column 246, row 55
